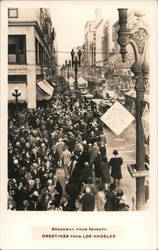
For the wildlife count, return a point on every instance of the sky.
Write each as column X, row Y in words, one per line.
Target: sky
column 70, row 17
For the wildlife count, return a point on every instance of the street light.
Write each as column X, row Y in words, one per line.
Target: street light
column 16, row 93
column 67, row 66
column 76, row 62
column 138, row 39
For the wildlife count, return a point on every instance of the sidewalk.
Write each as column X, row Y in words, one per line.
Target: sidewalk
column 125, row 144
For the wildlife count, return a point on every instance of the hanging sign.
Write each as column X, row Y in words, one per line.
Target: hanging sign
column 117, row 118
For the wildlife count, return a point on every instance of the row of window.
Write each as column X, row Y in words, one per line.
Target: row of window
column 17, row 51
column 41, row 55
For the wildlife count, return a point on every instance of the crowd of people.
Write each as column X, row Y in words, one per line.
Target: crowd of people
column 67, row 135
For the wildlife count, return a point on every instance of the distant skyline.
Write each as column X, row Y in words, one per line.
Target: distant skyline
column 70, row 17
column 69, row 20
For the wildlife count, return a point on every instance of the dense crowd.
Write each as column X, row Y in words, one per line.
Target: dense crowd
column 65, row 135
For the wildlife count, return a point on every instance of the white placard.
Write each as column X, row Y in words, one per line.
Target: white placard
column 117, row 118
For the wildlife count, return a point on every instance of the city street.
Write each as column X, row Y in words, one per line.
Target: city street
column 125, row 144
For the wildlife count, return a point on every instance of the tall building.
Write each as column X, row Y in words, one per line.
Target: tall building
column 104, row 41
column 30, row 54
column 99, row 24
column 89, row 45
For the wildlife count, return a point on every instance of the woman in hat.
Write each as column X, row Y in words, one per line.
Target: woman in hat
column 115, row 163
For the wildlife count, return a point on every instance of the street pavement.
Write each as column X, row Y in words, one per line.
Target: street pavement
column 125, row 144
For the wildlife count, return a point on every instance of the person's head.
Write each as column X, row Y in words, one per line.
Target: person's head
column 20, row 184
column 11, row 205
column 100, row 187
column 35, row 194
column 119, row 193
column 37, row 180
column 125, row 207
column 87, row 190
column 115, row 152
column 50, row 182
column 63, row 200
column 55, row 178
column 86, row 164
column 112, row 186
column 26, row 203
column 90, row 180
column 10, row 182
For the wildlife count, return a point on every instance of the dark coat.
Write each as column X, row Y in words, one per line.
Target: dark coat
column 58, row 196
column 116, row 163
column 86, row 173
column 110, row 204
column 76, row 175
column 84, row 157
column 104, row 170
column 72, row 189
column 97, row 165
column 88, row 202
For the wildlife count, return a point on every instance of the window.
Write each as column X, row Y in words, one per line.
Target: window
column 12, row 13
column 40, row 54
column 16, row 49
column 37, row 51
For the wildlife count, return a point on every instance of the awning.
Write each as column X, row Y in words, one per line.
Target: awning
column 132, row 94
column 53, row 84
column 82, row 81
column 44, row 90
column 89, row 96
column 102, row 102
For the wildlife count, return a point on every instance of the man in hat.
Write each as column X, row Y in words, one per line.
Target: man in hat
column 116, row 163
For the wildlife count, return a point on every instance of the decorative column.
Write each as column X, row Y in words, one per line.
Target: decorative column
column 138, row 38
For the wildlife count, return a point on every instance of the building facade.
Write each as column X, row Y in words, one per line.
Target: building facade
column 99, row 47
column 30, row 54
column 89, row 45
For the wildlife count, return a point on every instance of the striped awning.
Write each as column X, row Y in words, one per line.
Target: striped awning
column 44, row 90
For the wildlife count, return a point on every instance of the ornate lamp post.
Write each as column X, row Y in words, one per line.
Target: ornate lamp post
column 16, row 93
column 68, row 65
column 138, row 38
column 76, row 62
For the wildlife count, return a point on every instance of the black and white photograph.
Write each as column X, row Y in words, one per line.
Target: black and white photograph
column 78, row 119
column 80, row 95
